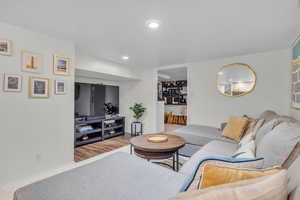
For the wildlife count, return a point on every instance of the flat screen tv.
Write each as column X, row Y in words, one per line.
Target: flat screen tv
column 96, row 99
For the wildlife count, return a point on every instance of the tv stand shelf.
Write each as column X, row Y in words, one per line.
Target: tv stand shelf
column 101, row 129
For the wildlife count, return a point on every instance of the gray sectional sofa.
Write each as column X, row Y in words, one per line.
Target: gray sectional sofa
column 124, row 177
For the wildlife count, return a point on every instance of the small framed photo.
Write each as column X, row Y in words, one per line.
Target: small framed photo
column 60, row 87
column 39, row 87
column 12, row 83
column 5, row 47
column 61, row 65
column 32, row 62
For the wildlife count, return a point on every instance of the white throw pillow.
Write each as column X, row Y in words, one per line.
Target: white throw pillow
column 246, row 139
column 245, row 150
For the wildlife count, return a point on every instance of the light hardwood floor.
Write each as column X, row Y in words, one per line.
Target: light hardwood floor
column 91, row 150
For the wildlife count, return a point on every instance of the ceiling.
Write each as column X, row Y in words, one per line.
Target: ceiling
column 191, row 31
column 175, row 74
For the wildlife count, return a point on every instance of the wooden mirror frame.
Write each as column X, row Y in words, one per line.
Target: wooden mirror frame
column 236, row 65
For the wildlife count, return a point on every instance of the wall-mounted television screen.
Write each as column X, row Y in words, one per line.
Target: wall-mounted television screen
column 96, row 99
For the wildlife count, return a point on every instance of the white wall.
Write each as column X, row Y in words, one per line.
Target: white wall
column 206, row 106
column 144, row 91
column 36, row 134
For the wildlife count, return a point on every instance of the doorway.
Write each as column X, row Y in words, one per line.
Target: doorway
column 172, row 92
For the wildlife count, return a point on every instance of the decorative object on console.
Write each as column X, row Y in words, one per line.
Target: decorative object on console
column 235, row 80
column 295, row 93
column 110, row 109
column 39, row 87
column 61, row 65
column 5, row 47
column 12, row 83
column 32, row 62
column 60, row 87
column 138, row 111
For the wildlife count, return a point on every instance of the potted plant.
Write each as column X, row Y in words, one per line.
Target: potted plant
column 138, row 111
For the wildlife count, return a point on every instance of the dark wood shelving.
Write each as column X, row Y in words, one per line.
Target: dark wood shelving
column 79, row 134
column 100, row 130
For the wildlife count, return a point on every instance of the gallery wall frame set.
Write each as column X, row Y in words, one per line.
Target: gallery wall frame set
column 295, row 74
column 34, row 63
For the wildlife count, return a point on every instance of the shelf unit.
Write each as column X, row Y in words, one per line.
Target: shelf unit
column 173, row 92
column 102, row 129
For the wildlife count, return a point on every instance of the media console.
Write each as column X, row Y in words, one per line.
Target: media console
column 94, row 130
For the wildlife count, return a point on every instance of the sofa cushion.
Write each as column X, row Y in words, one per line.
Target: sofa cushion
column 272, row 187
column 265, row 129
column 235, row 128
column 268, row 115
column 116, row 177
column 277, row 145
column 212, row 149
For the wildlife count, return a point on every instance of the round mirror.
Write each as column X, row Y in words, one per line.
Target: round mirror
column 236, row 80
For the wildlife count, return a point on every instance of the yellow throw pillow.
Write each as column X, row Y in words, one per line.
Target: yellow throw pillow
column 217, row 175
column 271, row 187
column 235, row 128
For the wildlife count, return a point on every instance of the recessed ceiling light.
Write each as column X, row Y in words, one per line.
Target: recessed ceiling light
column 125, row 57
column 153, row 24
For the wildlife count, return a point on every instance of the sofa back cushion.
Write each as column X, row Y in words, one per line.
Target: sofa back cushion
column 276, row 146
column 264, row 129
column 268, row 115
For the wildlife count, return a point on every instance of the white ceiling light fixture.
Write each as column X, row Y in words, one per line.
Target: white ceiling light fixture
column 152, row 24
column 125, row 57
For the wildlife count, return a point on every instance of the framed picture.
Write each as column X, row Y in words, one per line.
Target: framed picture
column 32, row 62
column 5, row 47
column 39, row 87
column 12, row 83
column 61, row 65
column 60, row 87
column 295, row 76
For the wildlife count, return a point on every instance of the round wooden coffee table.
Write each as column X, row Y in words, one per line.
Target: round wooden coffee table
column 158, row 150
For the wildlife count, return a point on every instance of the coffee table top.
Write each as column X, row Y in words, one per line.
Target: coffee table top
column 172, row 144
